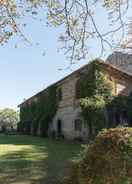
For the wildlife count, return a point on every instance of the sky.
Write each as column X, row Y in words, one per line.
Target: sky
column 28, row 69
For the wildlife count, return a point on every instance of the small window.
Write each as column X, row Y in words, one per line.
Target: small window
column 59, row 94
column 78, row 125
column 78, row 90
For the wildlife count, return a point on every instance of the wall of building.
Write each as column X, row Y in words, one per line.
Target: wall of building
column 121, row 61
column 123, row 87
column 69, row 110
column 122, row 81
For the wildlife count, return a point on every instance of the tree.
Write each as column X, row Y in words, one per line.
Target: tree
column 8, row 118
column 77, row 17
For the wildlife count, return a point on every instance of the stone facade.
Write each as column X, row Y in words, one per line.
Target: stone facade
column 121, row 60
column 68, row 120
column 121, row 78
column 69, row 110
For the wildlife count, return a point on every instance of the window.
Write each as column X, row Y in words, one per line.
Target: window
column 59, row 126
column 130, row 94
column 59, row 94
column 78, row 125
column 78, row 90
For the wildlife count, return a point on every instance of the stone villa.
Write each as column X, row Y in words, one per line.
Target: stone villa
column 67, row 120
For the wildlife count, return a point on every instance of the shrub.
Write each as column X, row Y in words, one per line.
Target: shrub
column 107, row 161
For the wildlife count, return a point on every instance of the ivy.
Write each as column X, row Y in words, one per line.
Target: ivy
column 100, row 107
column 47, row 109
column 96, row 82
column 93, row 110
column 36, row 116
column 121, row 107
column 96, row 91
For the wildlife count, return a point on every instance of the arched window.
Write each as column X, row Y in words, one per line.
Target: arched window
column 78, row 89
column 78, row 125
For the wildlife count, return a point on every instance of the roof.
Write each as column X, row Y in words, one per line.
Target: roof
column 105, row 64
column 109, row 65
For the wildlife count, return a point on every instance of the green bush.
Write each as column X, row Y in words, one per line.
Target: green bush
column 107, row 161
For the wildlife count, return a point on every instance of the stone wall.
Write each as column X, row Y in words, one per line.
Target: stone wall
column 69, row 110
column 122, row 80
column 121, row 61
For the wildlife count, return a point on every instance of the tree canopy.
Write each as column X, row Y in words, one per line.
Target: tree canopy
column 78, row 18
column 9, row 118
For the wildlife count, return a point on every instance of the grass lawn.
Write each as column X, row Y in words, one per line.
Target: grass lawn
column 33, row 160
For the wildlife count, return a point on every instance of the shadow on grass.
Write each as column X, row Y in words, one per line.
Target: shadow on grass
column 33, row 160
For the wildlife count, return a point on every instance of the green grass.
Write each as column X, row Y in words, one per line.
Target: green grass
column 33, row 160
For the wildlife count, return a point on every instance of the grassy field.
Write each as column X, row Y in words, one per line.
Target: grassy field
column 33, row 160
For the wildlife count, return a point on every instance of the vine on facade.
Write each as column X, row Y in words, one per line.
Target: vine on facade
column 37, row 116
column 96, row 91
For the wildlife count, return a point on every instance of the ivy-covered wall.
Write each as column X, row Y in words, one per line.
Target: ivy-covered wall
column 100, row 106
column 37, row 115
column 96, row 90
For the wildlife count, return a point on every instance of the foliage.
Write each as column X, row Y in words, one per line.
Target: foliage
column 107, row 160
column 7, row 24
column 95, row 82
column 121, row 107
column 38, row 114
column 96, row 92
column 47, row 109
column 9, row 118
column 26, row 117
column 77, row 17
column 93, row 112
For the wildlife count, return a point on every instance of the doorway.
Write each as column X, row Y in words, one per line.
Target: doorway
column 59, row 127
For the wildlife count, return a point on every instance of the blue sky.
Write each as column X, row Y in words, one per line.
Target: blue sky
column 24, row 71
